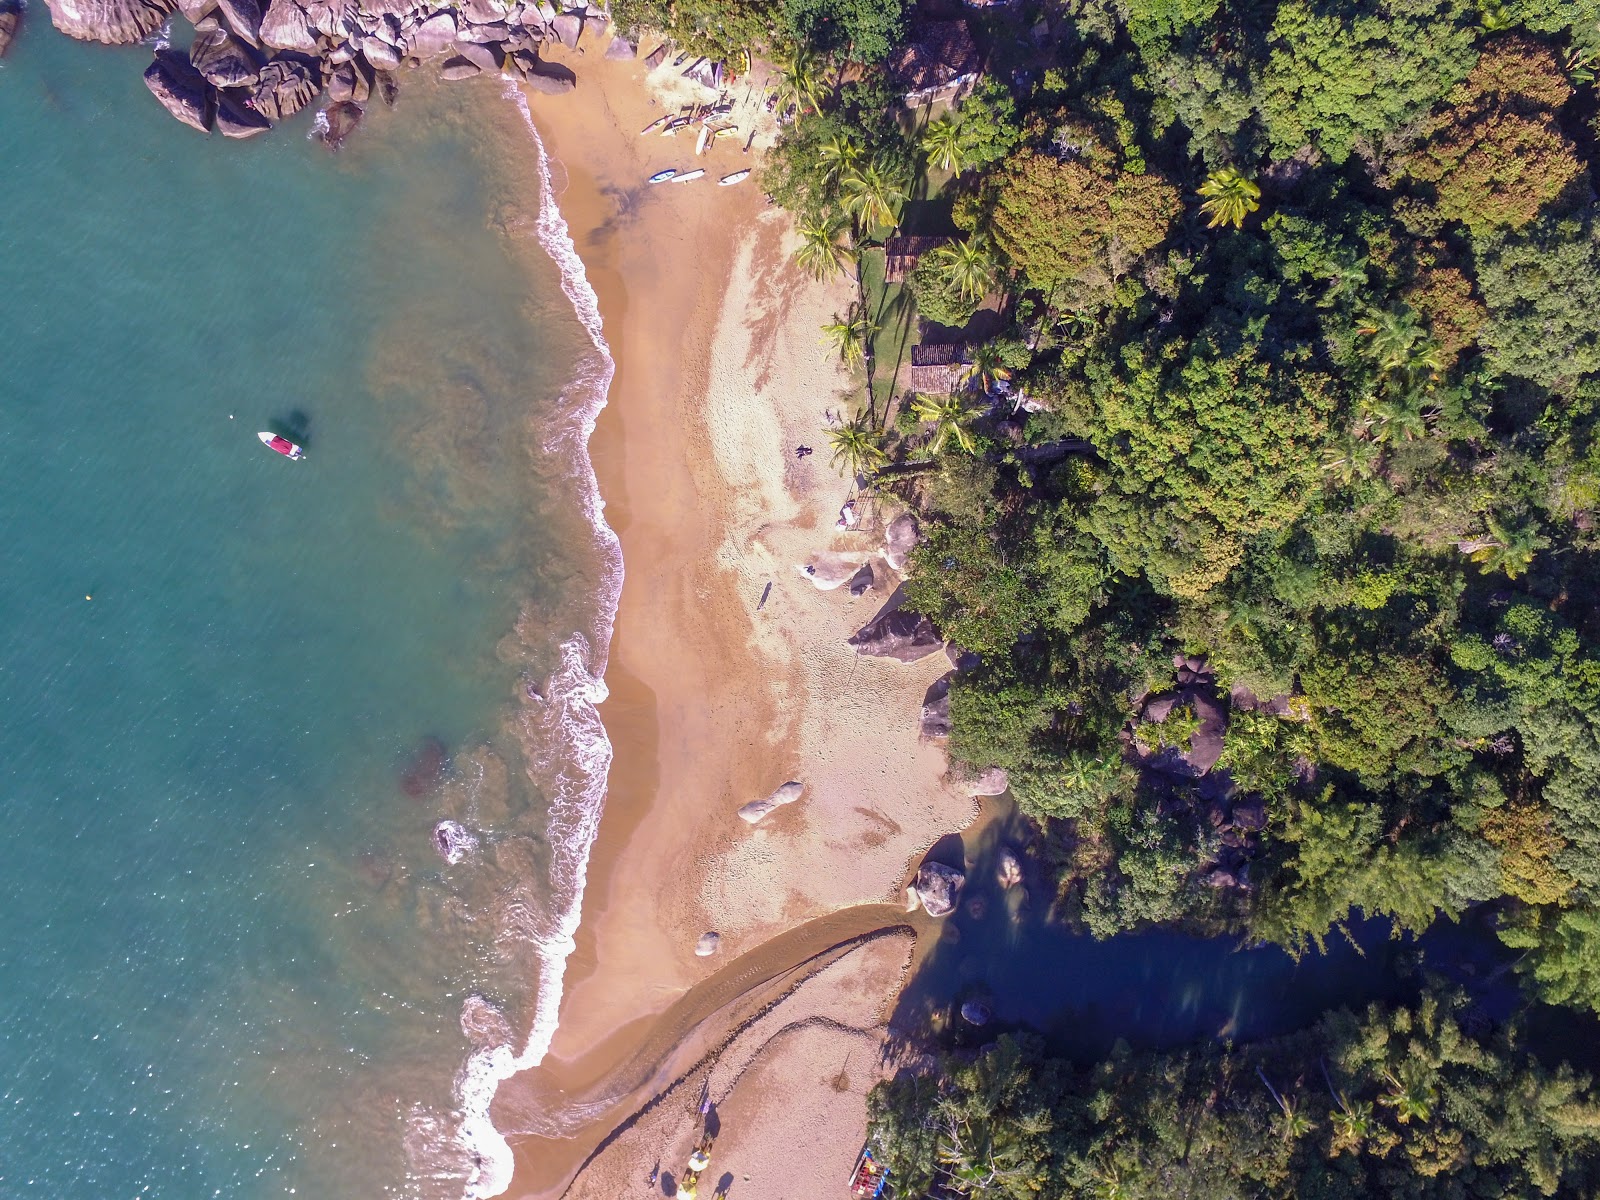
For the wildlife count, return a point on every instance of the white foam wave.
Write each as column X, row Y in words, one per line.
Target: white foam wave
column 569, row 747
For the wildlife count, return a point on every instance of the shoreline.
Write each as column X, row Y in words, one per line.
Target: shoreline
column 718, row 370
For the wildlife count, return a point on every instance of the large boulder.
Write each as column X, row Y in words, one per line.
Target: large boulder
column 828, row 569
column 243, row 17
column 182, row 90
column 336, row 18
column 457, row 67
column 568, row 28
column 898, row 634
column 757, row 809
column 899, row 540
column 383, row 55
column 286, row 85
column 115, row 22
column 285, row 26
column 483, row 12
column 937, row 887
column 339, row 121
column 10, row 22
column 433, row 37
column 484, row 57
column 224, row 60
column 352, row 81
column 621, row 49
column 936, row 708
column 991, row 781
column 195, row 11
column 235, row 119
column 552, row 79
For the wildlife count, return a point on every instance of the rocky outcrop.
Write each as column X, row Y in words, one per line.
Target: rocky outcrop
column 1008, row 870
column 936, row 708
column 899, row 540
column 10, row 22
column 182, row 90
column 710, row 942
column 285, row 26
column 568, row 28
column 339, row 121
column 991, row 781
column 433, row 37
column 551, row 78
column 352, row 81
column 224, row 60
column 898, row 634
column 244, row 18
column 757, row 809
column 828, row 569
column 115, row 22
column 937, row 887
column 453, row 841
column 286, row 85
column 235, row 119
column 621, row 50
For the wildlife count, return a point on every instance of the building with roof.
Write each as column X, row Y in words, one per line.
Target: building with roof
column 939, row 65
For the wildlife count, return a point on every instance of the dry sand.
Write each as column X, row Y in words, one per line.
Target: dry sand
column 721, row 374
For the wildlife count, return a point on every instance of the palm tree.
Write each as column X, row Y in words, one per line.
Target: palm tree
column 839, row 154
column 850, row 335
column 1398, row 341
column 873, row 195
column 822, row 252
column 799, row 79
column 1355, row 458
column 1505, row 549
column 950, row 416
column 945, row 145
column 1404, row 415
column 857, row 446
column 985, row 369
column 1231, row 197
column 1352, row 1124
column 1412, row 1095
column 967, row 267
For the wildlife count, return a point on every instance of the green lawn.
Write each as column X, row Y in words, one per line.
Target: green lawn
column 891, row 308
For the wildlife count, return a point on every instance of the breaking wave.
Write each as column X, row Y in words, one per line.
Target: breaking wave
column 568, row 749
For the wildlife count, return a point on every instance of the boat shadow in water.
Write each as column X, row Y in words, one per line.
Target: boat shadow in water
column 294, row 425
column 1008, row 956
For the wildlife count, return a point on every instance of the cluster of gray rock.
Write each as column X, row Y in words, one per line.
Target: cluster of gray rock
column 255, row 62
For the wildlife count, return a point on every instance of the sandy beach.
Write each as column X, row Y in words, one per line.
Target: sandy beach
column 716, row 697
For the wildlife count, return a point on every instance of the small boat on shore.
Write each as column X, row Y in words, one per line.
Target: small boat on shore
column 736, row 177
column 688, row 175
column 656, row 124
column 281, row 444
column 663, row 176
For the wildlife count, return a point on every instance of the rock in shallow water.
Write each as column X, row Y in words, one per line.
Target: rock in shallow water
column 115, row 22
column 10, row 22
column 339, row 121
column 937, row 887
column 182, row 90
column 453, row 841
column 236, row 120
column 787, row 794
column 285, row 26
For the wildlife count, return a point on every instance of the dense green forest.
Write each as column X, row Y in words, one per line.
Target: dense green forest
column 1403, row 1103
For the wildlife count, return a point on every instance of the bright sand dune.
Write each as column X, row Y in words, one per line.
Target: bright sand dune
column 720, row 376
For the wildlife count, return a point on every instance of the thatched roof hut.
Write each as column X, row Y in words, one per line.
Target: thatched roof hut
column 900, row 255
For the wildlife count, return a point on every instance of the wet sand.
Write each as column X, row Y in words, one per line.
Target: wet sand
column 720, row 373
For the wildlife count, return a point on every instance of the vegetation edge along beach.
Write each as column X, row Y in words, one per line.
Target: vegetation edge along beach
column 1220, row 381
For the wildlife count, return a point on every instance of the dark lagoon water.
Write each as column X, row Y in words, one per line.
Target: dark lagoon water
column 233, row 962
column 1007, row 949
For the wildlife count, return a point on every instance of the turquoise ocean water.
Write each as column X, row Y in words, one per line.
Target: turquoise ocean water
column 232, row 961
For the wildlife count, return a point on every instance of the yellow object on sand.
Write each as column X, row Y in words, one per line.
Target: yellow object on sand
column 699, row 1160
